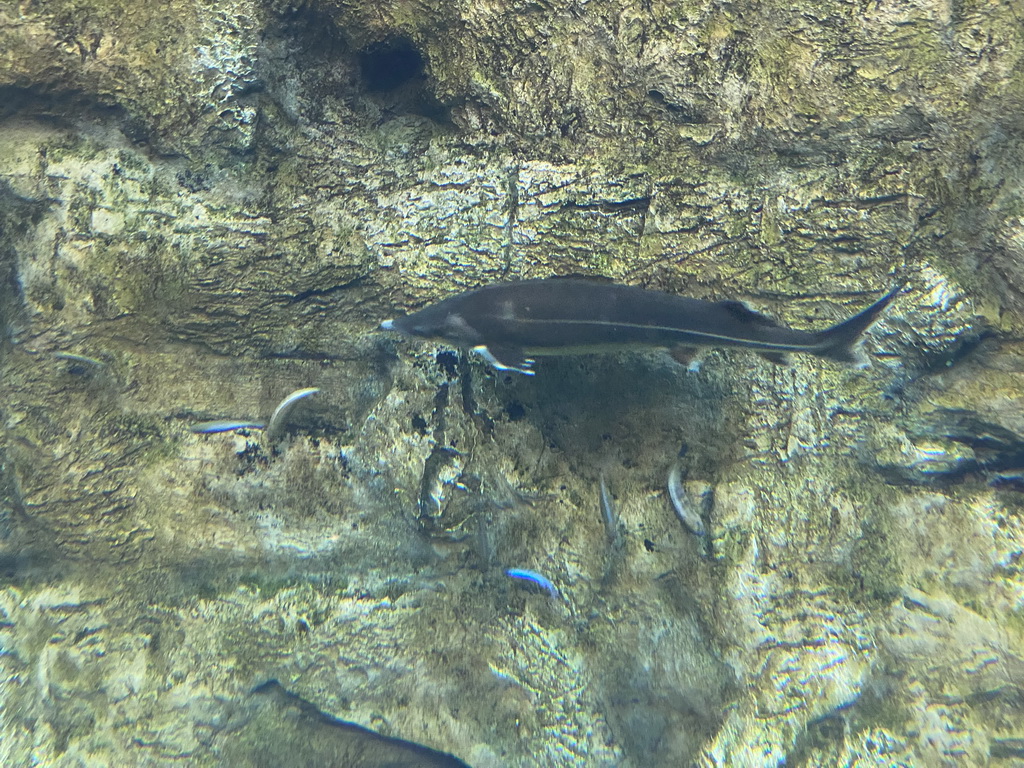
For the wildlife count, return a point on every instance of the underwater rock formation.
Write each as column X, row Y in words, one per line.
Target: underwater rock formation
column 204, row 207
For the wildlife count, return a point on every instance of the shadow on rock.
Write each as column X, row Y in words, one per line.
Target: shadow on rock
column 281, row 728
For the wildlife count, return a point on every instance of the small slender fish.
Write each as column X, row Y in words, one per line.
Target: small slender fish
column 689, row 516
column 79, row 359
column 525, row 574
column 510, row 323
column 80, row 364
column 224, row 425
column 611, row 519
column 277, row 419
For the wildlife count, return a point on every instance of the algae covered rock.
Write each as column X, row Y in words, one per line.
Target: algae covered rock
column 206, row 207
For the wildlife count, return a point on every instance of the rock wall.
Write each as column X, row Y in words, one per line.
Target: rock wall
column 205, row 207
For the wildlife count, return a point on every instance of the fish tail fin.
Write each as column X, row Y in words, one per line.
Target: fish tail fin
column 840, row 342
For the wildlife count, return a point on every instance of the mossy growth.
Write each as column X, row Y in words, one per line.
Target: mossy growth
column 876, row 564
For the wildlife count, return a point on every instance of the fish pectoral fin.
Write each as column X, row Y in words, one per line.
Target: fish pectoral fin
column 745, row 314
column 686, row 355
column 506, row 358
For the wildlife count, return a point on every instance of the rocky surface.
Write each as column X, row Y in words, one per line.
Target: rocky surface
column 215, row 205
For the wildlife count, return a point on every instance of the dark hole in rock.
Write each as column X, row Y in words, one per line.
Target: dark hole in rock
column 448, row 362
column 390, row 64
column 419, row 424
column 515, row 411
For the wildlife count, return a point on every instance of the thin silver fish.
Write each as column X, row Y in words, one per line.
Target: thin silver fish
column 509, row 323
column 686, row 512
column 277, row 419
column 76, row 358
column 608, row 515
column 224, row 425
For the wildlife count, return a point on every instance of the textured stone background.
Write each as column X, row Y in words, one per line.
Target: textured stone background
column 221, row 201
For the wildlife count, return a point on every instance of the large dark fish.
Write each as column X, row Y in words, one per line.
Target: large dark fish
column 508, row 323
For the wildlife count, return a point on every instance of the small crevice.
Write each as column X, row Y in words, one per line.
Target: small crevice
column 511, row 219
column 61, row 106
column 469, row 405
column 318, row 292
column 680, row 113
column 636, row 206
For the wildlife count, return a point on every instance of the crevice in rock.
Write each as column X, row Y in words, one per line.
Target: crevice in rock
column 17, row 216
column 389, row 74
column 279, row 726
column 679, row 111
column 59, row 106
column 993, row 451
column 390, row 64
column 394, row 72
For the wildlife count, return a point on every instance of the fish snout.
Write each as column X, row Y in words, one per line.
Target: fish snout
column 388, row 325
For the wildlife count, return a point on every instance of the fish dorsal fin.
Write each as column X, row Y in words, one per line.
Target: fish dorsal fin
column 745, row 314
